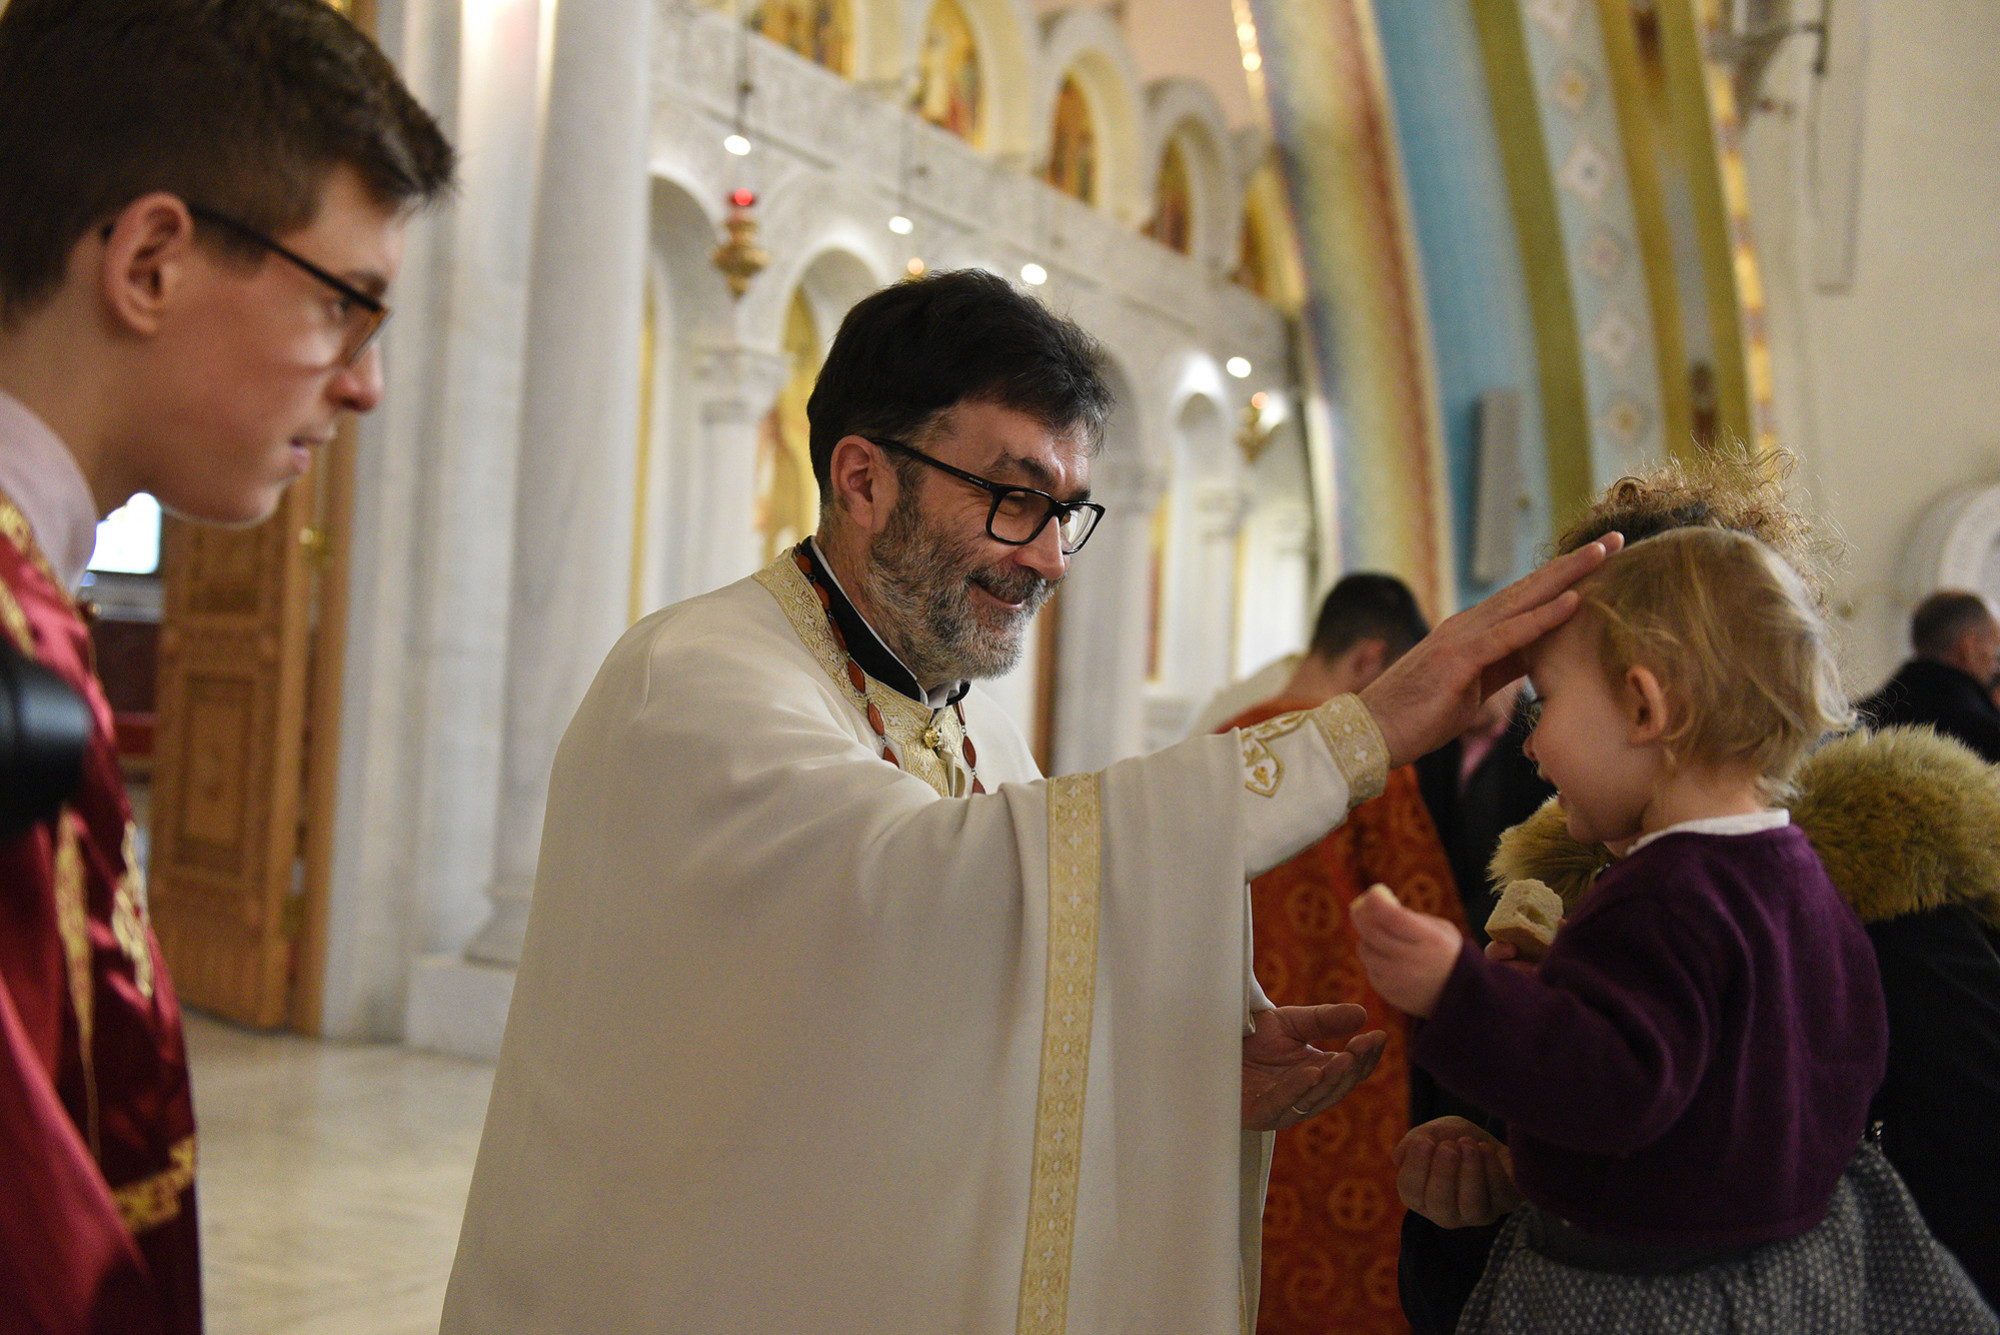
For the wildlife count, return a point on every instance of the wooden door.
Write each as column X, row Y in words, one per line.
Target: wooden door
column 229, row 759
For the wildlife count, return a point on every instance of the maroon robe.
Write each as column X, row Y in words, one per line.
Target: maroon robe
column 97, row 1146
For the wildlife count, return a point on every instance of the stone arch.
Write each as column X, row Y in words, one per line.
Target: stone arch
column 1000, row 31
column 1085, row 45
column 1184, row 113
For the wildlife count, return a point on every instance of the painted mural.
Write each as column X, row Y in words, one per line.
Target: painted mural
column 948, row 91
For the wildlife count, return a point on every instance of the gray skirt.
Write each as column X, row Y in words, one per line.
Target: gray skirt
column 1871, row 1267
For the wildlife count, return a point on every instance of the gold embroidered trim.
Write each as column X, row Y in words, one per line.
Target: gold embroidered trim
column 152, row 1201
column 128, row 914
column 1357, row 746
column 903, row 719
column 15, row 621
column 1262, row 770
column 73, row 925
column 1072, row 981
column 14, row 525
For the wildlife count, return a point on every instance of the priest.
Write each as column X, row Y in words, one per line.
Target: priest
column 833, row 1013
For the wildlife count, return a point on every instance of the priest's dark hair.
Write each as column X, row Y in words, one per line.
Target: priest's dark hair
column 908, row 354
column 239, row 106
column 1368, row 605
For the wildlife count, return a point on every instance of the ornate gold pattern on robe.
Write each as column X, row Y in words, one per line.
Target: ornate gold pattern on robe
column 1072, row 978
column 910, row 725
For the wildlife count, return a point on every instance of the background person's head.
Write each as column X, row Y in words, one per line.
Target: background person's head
column 201, row 208
column 1957, row 627
column 1367, row 621
column 974, row 376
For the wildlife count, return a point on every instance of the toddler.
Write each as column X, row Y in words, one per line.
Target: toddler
column 1686, row 1076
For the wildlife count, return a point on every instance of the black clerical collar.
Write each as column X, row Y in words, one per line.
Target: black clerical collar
column 866, row 647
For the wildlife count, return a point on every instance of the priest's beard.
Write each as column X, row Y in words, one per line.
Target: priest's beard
column 921, row 578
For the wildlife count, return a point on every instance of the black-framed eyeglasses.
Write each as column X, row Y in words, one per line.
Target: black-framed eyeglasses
column 362, row 316
column 1019, row 514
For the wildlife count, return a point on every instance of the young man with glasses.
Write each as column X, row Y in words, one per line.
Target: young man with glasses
column 202, row 205
column 833, row 1014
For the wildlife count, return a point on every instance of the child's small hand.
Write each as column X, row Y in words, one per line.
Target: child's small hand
column 1515, row 958
column 1408, row 955
column 1454, row 1174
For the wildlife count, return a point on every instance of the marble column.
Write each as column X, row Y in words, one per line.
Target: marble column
column 1101, row 664
column 579, row 419
column 712, row 482
column 577, row 461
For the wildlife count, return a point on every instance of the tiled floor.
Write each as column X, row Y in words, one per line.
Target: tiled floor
column 332, row 1178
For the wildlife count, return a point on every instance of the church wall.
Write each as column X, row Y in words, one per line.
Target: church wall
column 1480, row 318
column 1885, row 383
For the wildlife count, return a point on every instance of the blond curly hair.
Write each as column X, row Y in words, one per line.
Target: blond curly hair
column 1723, row 488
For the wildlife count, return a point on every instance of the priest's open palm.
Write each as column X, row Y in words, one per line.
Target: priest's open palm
column 1302, row 1060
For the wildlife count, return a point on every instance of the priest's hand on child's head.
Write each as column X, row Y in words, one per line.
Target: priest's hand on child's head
column 1408, row 955
column 1432, row 693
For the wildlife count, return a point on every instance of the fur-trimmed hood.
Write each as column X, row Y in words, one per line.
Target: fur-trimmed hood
column 1905, row 820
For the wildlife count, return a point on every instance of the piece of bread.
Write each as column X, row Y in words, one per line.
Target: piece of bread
column 1526, row 916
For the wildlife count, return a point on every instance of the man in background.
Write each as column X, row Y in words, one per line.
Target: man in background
column 202, row 205
column 1949, row 681
column 1332, row 1224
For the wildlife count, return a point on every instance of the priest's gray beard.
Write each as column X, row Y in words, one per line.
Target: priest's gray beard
column 921, row 578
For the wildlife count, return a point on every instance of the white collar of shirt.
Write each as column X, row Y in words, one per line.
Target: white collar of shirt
column 40, row 475
column 1754, row 822
column 938, row 698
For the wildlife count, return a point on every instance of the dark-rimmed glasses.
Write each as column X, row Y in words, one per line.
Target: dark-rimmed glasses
column 362, row 316
column 1019, row 514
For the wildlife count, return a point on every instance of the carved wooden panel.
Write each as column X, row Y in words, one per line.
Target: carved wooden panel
column 233, row 667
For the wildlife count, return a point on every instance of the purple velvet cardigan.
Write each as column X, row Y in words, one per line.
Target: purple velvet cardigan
column 1692, row 1064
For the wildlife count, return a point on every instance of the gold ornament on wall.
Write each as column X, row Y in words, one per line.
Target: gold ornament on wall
column 1253, row 431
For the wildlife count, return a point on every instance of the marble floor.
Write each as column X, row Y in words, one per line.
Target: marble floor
column 332, row 1178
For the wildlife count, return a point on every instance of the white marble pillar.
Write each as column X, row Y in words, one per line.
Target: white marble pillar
column 712, row 480
column 1101, row 664
column 579, row 419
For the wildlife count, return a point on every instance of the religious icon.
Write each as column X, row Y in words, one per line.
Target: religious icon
column 787, row 495
column 819, row 30
column 948, row 89
column 1073, row 144
column 1253, row 261
column 1172, row 224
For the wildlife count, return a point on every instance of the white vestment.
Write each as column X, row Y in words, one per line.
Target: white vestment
column 779, row 1058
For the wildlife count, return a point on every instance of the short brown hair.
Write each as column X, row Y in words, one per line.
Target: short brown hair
column 1735, row 637
column 241, row 106
column 1943, row 618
